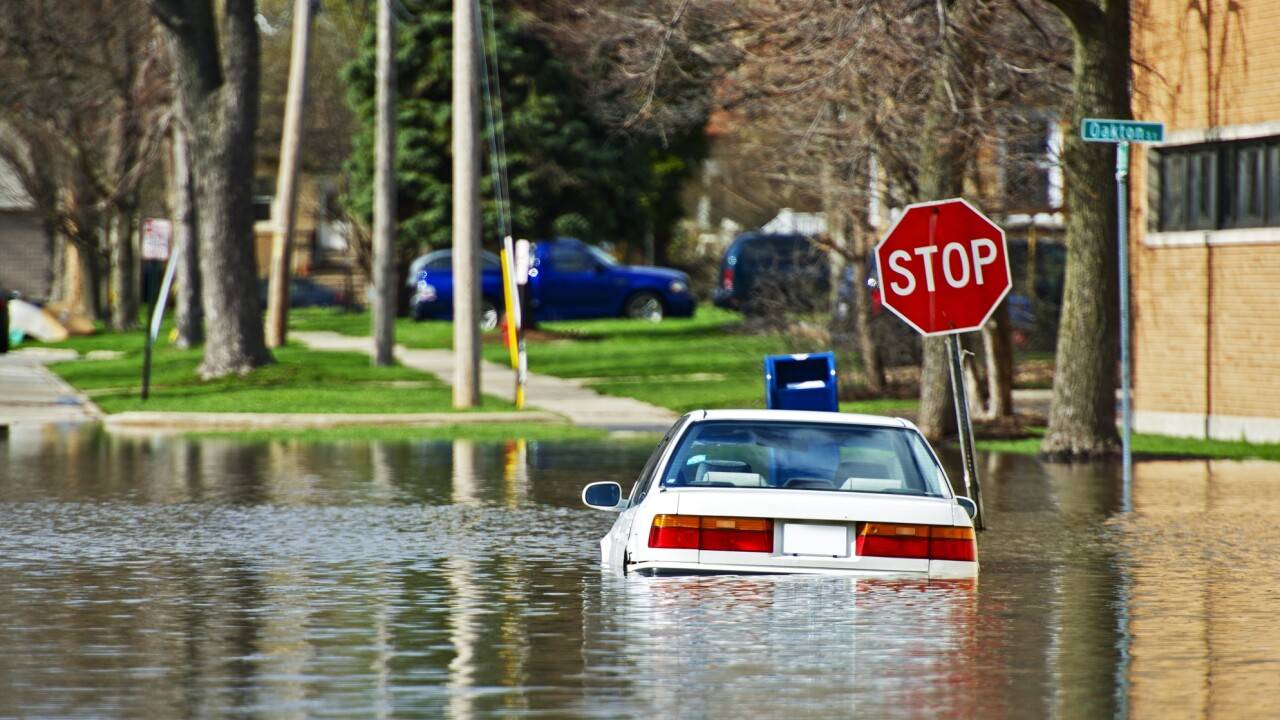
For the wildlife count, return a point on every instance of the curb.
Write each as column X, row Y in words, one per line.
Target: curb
column 164, row 423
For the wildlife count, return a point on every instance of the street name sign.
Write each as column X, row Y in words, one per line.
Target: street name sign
column 1121, row 131
column 943, row 267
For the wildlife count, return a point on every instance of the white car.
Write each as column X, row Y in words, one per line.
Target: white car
column 783, row 491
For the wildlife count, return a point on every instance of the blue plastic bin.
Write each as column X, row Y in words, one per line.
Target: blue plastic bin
column 801, row 382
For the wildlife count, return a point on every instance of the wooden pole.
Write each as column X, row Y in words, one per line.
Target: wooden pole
column 384, row 202
column 286, row 203
column 466, row 209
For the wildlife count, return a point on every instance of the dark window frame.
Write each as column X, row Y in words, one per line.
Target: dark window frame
column 1219, row 186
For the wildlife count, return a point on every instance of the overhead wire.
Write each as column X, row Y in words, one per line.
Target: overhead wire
column 488, row 40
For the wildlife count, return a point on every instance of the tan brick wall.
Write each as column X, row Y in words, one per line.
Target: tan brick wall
column 1245, row 335
column 1206, row 329
column 1169, row 329
column 1206, row 63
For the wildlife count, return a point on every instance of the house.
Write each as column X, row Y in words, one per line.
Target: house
column 1205, row 240
column 26, row 257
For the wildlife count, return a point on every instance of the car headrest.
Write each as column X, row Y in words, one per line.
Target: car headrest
column 727, row 466
column 861, row 469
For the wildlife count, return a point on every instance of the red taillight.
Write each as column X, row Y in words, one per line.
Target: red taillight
column 916, row 541
column 676, row 532
column 952, row 543
column 694, row 532
column 727, row 281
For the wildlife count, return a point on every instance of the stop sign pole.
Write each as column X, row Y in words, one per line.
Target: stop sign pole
column 944, row 268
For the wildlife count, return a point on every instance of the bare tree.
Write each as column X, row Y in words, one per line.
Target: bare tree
column 87, row 147
column 215, row 60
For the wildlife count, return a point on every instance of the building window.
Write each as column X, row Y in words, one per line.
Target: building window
column 264, row 193
column 1032, row 173
column 1220, row 186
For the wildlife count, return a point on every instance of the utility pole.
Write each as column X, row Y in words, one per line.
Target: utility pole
column 286, row 204
column 466, row 209
column 384, row 190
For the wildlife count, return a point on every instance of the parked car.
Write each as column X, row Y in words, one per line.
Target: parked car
column 786, row 491
column 431, row 277
column 304, row 292
column 764, row 273
column 568, row 280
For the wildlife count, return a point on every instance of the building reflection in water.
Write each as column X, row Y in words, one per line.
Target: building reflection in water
column 1205, row 589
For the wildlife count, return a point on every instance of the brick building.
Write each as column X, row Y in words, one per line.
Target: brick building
column 1206, row 219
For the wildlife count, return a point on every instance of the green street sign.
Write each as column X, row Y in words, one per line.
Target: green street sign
column 1118, row 131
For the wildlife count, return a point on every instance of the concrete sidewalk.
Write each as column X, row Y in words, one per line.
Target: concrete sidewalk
column 570, row 398
column 32, row 395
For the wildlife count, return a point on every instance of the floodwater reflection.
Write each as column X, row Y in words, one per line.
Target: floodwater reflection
column 166, row 578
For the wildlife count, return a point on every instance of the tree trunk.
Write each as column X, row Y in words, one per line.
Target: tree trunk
column 997, row 344
column 189, row 312
column 124, row 270
column 384, row 203
column 868, row 349
column 1082, row 419
column 937, row 416
column 217, row 90
column 58, row 291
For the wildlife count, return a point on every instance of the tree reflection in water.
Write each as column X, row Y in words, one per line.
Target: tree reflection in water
column 177, row 577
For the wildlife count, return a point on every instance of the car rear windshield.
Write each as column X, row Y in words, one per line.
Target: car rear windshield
column 806, row 456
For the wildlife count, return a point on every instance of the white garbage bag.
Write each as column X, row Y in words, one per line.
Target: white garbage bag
column 34, row 322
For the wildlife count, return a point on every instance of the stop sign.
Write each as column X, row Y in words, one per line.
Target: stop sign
column 943, row 267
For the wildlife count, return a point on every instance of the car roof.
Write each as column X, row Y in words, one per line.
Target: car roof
column 807, row 416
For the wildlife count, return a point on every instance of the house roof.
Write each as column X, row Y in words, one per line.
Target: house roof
column 13, row 196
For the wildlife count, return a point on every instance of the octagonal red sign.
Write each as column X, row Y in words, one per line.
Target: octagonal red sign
column 943, row 267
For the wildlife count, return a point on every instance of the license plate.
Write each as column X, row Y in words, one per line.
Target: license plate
column 819, row 540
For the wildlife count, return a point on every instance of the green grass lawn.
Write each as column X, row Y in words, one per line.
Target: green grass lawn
column 680, row 363
column 1155, row 446
column 703, row 362
column 300, row 381
column 429, row 334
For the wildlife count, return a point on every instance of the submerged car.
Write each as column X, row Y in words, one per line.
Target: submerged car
column 783, row 491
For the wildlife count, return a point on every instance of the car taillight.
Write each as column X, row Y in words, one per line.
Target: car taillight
column 927, row 542
column 695, row 532
column 727, row 281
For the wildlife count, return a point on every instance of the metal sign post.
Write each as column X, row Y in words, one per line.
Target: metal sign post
column 1121, row 133
column 964, row 429
column 157, row 314
column 1126, row 382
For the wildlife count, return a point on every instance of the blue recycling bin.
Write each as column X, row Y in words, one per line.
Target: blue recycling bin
column 801, row 382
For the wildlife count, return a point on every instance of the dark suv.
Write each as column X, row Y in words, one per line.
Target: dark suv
column 766, row 274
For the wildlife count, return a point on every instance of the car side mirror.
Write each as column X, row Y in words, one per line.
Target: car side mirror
column 601, row 268
column 604, row 496
column 970, row 507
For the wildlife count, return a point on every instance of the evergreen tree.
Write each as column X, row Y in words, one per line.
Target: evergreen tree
column 568, row 174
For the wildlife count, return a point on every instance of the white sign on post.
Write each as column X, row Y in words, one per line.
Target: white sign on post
column 156, row 236
column 522, row 262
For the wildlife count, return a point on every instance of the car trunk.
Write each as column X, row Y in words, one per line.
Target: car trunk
column 814, row 529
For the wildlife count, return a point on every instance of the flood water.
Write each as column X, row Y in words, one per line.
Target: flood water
column 210, row 578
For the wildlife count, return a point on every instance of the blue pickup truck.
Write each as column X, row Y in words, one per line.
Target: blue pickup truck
column 568, row 280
